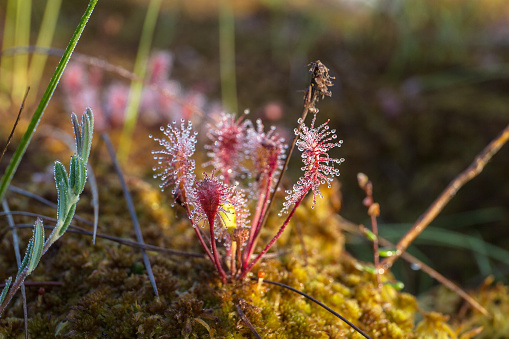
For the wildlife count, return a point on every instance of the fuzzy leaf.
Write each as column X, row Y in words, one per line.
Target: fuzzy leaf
column 38, row 245
column 61, row 178
column 77, row 132
column 83, row 176
column 73, row 174
column 62, row 182
column 28, row 254
column 67, row 220
column 87, row 130
column 5, row 290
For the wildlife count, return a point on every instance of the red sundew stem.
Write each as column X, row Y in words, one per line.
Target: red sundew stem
column 276, row 237
column 253, row 237
column 214, row 252
column 198, row 233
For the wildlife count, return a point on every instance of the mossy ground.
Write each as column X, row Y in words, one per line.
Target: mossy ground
column 103, row 289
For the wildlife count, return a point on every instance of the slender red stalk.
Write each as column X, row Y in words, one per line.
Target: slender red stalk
column 214, row 251
column 257, row 224
column 276, row 237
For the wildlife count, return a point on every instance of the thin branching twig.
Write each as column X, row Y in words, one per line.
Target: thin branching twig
column 356, row 229
column 132, row 211
column 15, row 124
column 450, row 191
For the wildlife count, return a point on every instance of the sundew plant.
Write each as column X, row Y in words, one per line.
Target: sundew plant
column 234, row 198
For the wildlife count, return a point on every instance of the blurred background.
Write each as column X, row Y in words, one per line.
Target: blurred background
column 421, row 87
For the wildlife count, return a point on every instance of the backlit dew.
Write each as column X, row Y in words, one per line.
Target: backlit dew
column 314, row 143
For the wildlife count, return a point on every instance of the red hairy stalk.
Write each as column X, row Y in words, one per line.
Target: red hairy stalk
column 267, row 151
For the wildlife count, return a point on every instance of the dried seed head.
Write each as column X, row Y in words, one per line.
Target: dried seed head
column 318, row 166
column 174, row 162
column 321, row 79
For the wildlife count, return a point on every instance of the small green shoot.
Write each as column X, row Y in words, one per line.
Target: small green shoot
column 387, row 252
column 398, row 285
column 6, row 288
column 69, row 188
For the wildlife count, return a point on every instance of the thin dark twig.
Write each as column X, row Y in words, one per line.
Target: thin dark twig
column 15, row 123
column 317, row 302
column 450, row 191
column 39, row 283
column 15, row 243
column 246, row 321
column 78, row 230
column 132, row 211
column 43, row 201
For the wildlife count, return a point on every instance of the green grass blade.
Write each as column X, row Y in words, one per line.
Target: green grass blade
column 140, row 68
column 21, row 38
column 44, row 39
column 25, row 141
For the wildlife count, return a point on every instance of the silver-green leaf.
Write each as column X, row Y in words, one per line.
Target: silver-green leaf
column 67, row 220
column 35, row 257
column 26, row 259
column 6, row 288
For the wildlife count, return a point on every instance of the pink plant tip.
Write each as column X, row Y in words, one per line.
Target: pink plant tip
column 226, row 151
